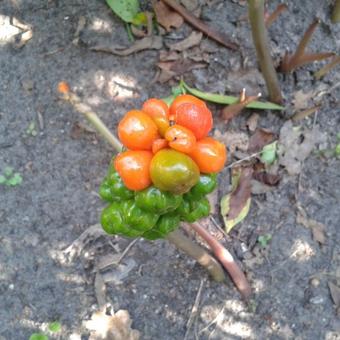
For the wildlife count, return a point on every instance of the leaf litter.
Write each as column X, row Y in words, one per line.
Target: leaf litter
column 167, row 17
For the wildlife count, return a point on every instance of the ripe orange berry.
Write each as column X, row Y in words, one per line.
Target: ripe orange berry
column 180, row 138
column 134, row 168
column 159, row 112
column 159, row 144
column 196, row 118
column 63, row 87
column 137, row 131
column 210, row 155
column 182, row 99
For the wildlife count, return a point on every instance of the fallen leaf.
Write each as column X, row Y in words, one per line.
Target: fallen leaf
column 79, row 129
column 120, row 272
column 192, row 40
column 252, row 122
column 267, row 178
column 335, row 293
column 169, row 55
column 269, row 153
column 295, row 145
column 166, row 17
column 318, row 229
column 170, row 69
column 301, row 99
column 154, row 42
column 259, row 139
column 234, row 140
column 111, row 327
column 235, row 205
column 126, row 9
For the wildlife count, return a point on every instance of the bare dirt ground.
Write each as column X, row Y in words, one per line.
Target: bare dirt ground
column 62, row 163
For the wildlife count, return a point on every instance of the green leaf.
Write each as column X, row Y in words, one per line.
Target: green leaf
column 338, row 136
column 125, row 9
column 140, row 19
column 8, row 171
column 228, row 100
column 337, row 150
column 15, row 180
column 2, row 179
column 54, row 326
column 268, row 153
column 264, row 239
column 38, row 336
column 225, row 207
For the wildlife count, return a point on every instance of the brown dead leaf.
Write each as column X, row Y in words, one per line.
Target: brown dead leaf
column 301, row 99
column 234, row 140
column 192, row 40
column 169, row 55
column 259, row 139
column 267, row 178
column 111, row 327
column 295, row 145
column 154, row 42
column 166, row 17
column 241, row 194
column 80, row 130
column 318, row 229
column 335, row 293
column 175, row 68
column 252, row 122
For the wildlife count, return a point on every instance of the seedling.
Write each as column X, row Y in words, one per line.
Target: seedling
column 54, row 327
column 292, row 61
column 10, row 178
column 31, row 129
column 38, row 336
column 263, row 240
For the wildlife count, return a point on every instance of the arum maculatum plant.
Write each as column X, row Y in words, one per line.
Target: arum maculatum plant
column 164, row 167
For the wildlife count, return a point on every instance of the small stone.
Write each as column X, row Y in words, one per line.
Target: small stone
column 317, row 300
column 315, row 282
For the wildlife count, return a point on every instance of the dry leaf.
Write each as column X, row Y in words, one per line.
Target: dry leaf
column 80, row 129
column 259, row 139
column 267, row 178
column 295, row 145
column 335, row 293
column 169, row 55
column 235, row 205
column 234, row 140
column 192, row 40
column 252, row 122
column 154, row 42
column 100, row 290
column 301, row 99
column 111, row 327
column 318, row 229
column 171, row 69
column 166, row 17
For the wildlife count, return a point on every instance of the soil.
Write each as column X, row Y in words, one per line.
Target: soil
column 64, row 163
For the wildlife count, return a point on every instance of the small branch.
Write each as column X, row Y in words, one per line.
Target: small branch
column 198, row 253
column 336, row 12
column 256, row 18
column 292, row 61
column 269, row 19
column 227, row 260
column 220, row 37
column 324, row 70
column 305, row 113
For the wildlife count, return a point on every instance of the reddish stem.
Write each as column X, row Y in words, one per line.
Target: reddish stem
column 226, row 259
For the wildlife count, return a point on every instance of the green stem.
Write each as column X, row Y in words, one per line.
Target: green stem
column 259, row 32
column 336, row 12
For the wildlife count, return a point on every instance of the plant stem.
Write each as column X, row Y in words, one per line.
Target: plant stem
column 272, row 17
column 198, row 253
column 94, row 120
column 324, row 70
column 227, row 260
column 336, row 12
column 176, row 237
column 259, row 32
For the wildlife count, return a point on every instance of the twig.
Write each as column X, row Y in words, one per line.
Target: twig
column 126, row 250
column 305, row 113
column 259, row 32
column 198, row 253
column 324, row 70
column 336, row 12
column 269, row 19
column 300, row 58
column 243, row 159
column 194, row 310
column 220, row 37
column 227, row 260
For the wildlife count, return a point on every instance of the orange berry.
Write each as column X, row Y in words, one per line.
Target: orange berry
column 180, row 138
column 196, row 118
column 159, row 112
column 137, row 131
column 182, row 99
column 159, row 144
column 63, row 87
column 210, row 155
column 134, row 168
